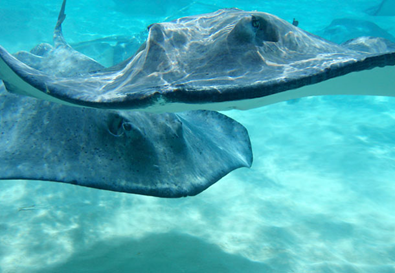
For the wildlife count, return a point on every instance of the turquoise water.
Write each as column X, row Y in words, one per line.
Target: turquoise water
column 320, row 196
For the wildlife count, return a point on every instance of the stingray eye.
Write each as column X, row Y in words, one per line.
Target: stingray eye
column 127, row 126
column 255, row 22
column 265, row 29
column 115, row 125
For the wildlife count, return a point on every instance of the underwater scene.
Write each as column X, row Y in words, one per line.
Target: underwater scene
column 302, row 183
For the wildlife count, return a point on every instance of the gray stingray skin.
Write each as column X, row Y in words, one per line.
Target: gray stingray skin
column 164, row 155
column 195, row 62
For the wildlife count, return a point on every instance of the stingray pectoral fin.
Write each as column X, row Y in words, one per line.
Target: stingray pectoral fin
column 21, row 79
column 167, row 155
column 82, row 91
column 378, row 81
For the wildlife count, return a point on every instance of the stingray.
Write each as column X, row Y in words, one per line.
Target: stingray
column 110, row 50
column 343, row 29
column 229, row 59
column 164, row 155
column 385, row 8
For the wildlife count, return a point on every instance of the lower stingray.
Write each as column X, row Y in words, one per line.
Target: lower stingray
column 229, row 59
column 165, row 155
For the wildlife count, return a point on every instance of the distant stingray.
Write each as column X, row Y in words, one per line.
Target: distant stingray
column 385, row 8
column 111, row 50
column 343, row 29
column 229, row 59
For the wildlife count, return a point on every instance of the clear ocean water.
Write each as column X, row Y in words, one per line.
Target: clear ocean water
column 320, row 196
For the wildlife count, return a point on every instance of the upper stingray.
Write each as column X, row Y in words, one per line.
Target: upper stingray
column 222, row 60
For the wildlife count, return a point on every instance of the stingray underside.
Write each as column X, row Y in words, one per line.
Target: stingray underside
column 230, row 59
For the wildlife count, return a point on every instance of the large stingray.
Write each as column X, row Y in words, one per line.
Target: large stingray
column 166, row 155
column 222, row 60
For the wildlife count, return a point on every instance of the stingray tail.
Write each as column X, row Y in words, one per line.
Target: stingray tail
column 58, row 38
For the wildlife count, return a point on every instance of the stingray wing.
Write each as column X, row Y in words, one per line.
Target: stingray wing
column 167, row 155
column 230, row 59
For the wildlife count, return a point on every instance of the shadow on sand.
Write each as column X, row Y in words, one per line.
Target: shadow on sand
column 170, row 252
